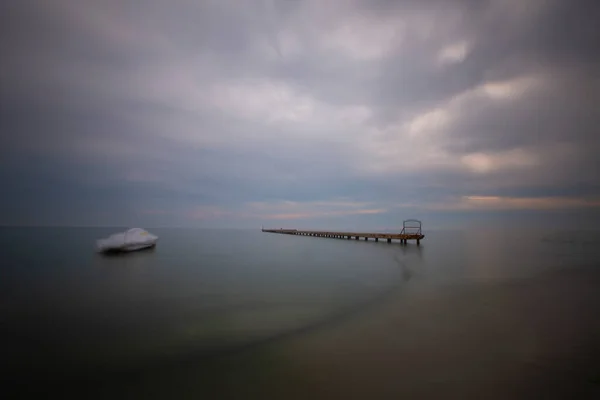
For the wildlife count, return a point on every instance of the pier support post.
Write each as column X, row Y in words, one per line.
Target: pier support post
column 366, row 238
column 389, row 240
column 356, row 238
column 377, row 239
column 418, row 242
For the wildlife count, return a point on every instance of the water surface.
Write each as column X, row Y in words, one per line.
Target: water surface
column 70, row 316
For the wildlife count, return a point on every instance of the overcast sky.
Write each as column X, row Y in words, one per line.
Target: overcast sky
column 297, row 113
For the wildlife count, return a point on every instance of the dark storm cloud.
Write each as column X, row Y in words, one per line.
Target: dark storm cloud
column 181, row 111
column 560, row 40
column 554, row 36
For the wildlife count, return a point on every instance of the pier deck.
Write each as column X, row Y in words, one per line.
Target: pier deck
column 403, row 237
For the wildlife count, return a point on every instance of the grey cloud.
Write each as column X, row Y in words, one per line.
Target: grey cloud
column 563, row 112
column 95, row 101
column 560, row 35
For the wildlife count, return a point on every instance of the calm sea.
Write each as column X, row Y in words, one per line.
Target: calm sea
column 235, row 313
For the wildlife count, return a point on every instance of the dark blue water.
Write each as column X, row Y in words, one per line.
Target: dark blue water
column 70, row 315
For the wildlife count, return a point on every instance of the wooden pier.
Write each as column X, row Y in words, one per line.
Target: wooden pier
column 410, row 231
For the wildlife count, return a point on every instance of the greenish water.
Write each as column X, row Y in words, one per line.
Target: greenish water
column 209, row 311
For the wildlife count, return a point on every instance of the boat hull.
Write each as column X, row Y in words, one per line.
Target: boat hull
column 131, row 240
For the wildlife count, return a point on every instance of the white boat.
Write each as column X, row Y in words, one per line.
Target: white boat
column 131, row 240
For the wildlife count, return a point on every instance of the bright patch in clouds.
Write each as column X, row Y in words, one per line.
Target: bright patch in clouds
column 428, row 123
column 315, row 214
column 525, row 203
column 511, row 89
column 454, row 53
column 482, row 163
column 305, row 210
column 276, row 102
column 264, row 101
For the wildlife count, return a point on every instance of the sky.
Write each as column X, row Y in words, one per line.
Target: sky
column 349, row 114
